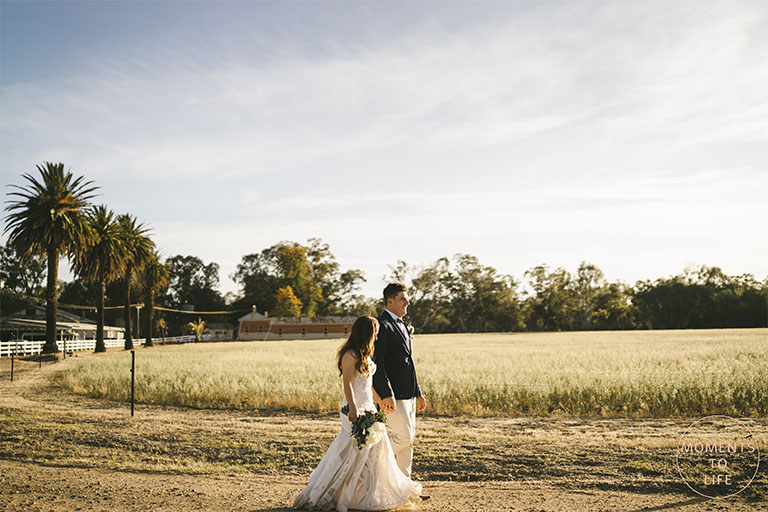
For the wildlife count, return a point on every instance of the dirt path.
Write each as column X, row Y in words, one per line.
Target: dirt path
column 54, row 482
column 31, row 487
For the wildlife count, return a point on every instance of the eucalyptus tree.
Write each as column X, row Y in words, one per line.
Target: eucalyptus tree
column 138, row 251
column 20, row 280
column 50, row 217
column 153, row 279
column 310, row 270
column 103, row 261
column 193, row 282
column 23, row 277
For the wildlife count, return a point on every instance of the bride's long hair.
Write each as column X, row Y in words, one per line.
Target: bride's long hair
column 360, row 342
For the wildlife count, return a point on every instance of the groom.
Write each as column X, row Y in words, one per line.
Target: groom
column 395, row 378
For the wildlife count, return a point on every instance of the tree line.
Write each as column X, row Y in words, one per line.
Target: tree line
column 113, row 259
column 462, row 295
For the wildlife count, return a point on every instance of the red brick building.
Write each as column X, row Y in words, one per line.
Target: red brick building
column 255, row 326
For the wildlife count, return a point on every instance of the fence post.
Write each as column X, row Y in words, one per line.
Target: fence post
column 133, row 377
column 15, row 346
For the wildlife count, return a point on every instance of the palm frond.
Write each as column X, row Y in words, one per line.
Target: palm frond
column 49, row 212
column 138, row 246
column 104, row 259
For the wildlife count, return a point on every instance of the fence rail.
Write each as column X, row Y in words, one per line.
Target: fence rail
column 189, row 338
column 26, row 347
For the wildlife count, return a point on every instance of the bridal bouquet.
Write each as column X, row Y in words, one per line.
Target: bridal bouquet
column 368, row 429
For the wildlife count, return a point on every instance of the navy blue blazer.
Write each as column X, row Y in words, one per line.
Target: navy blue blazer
column 395, row 372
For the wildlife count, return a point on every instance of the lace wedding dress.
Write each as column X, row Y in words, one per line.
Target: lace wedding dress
column 352, row 479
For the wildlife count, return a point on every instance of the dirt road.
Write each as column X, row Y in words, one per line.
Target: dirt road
column 61, row 452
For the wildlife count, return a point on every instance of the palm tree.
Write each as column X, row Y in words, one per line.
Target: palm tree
column 138, row 250
column 153, row 277
column 50, row 218
column 162, row 325
column 103, row 261
column 198, row 328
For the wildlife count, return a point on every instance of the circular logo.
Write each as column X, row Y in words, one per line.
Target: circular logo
column 717, row 456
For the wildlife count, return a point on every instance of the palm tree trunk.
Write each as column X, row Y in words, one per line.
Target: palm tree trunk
column 51, row 302
column 127, row 310
column 150, row 305
column 100, row 346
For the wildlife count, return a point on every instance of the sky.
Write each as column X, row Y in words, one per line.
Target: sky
column 632, row 135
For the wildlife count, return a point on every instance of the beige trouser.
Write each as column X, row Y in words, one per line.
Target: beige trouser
column 402, row 422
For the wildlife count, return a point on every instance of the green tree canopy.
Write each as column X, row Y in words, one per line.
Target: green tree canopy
column 193, row 282
column 560, row 301
column 286, row 303
column 20, row 277
column 311, row 271
column 459, row 295
column 701, row 297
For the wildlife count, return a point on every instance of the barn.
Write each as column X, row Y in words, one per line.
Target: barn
column 257, row 326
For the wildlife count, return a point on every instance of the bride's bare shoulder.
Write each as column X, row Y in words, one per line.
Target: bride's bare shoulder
column 350, row 355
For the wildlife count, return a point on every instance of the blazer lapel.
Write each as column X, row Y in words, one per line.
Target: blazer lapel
column 386, row 317
column 407, row 340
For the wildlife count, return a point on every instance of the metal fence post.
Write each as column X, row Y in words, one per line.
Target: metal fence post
column 133, row 377
column 15, row 346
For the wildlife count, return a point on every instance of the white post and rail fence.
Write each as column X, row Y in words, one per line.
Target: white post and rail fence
column 26, row 347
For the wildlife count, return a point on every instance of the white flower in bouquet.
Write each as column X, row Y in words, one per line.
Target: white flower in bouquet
column 367, row 429
column 374, row 434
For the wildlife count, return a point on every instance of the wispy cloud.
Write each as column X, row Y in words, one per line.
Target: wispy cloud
column 558, row 131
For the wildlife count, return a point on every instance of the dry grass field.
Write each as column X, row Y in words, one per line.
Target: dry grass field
column 601, row 374
column 66, row 451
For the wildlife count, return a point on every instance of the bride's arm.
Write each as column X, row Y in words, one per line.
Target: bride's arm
column 348, row 362
column 377, row 398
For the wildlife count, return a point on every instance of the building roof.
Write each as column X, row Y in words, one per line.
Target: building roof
column 253, row 315
column 302, row 320
column 314, row 320
column 61, row 314
column 29, row 322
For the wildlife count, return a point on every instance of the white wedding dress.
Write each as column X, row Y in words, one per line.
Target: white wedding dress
column 352, row 479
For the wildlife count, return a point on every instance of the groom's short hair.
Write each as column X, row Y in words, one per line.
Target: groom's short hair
column 392, row 289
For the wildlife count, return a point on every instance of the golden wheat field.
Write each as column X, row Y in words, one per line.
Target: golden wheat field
column 610, row 373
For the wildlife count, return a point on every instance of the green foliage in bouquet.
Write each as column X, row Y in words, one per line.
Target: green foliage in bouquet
column 365, row 429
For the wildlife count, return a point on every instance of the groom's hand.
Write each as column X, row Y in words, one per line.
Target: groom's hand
column 421, row 403
column 388, row 404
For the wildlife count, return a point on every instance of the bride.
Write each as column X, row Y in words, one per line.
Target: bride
column 347, row 477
